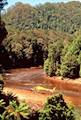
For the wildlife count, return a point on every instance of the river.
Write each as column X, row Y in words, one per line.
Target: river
column 27, row 79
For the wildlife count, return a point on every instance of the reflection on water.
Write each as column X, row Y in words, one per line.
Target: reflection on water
column 30, row 78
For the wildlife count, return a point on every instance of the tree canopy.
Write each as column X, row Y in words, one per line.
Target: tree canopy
column 65, row 17
column 47, row 34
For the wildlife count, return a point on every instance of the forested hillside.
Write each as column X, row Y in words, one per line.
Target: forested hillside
column 64, row 17
column 47, row 34
column 30, row 48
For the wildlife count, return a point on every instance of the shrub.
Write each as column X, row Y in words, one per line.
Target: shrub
column 56, row 109
column 70, row 66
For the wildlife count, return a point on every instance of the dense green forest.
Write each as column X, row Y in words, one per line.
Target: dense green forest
column 64, row 17
column 47, row 34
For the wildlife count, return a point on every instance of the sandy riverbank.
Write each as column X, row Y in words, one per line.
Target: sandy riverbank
column 34, row 99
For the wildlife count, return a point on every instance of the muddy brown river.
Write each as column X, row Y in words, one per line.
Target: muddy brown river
column 27, row 79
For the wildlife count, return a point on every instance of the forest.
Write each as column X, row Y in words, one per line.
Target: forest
column 46, row 35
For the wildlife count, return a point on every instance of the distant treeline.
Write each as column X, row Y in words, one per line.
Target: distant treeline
column 64, row 17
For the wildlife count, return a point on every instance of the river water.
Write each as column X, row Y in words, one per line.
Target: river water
column 27, row 79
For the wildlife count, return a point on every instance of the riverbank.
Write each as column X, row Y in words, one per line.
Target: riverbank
column 34, row 99
column 21, row 81
column 73, row 85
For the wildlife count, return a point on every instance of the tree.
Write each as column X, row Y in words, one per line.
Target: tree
column 3, row 32
column 70, row 66
column 65, row 17
column 53, row 61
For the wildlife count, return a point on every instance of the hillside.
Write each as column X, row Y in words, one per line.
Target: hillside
column 64, row 17
column 30, row 47
column 47, row 34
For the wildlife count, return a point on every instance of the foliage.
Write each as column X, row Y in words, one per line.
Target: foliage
column 34, row 115
column 15, row 111
column 52, row 64
column 77, row 114
column 30, row 48
column 56, row 109
column 65, row 17
column 70, row 66
column 3, row 32
column 36, row 37
column 64, row 59
column 11, row 108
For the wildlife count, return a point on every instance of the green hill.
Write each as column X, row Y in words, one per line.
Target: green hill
column 64, row 17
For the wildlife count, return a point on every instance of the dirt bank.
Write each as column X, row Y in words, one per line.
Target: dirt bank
column 21, row 81
column 34, row 99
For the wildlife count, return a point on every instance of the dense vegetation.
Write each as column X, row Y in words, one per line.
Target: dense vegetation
column 46, row 35
column 61, row 16
column 30, row 48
